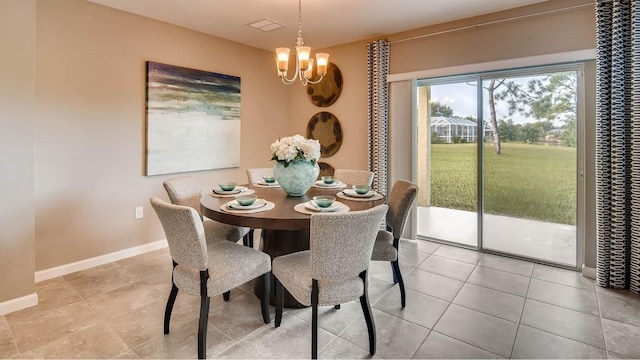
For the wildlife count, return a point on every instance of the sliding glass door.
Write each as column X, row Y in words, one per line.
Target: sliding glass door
column 529, row 167
column 498, row 160
column 448, row 170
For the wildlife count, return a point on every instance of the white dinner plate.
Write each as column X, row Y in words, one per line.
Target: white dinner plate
column 233, row 204
column 321, row 183
column 264, row 183
column 353, row 193
column 313, row 207
column 237, row 190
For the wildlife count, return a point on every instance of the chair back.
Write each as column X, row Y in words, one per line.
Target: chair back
column 354, row 177
column 400, row 200
column 184, row 191
column 185, row 233
column 254, row 175
column 341, row 243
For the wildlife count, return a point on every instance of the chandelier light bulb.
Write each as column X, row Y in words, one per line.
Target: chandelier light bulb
column 282, row 57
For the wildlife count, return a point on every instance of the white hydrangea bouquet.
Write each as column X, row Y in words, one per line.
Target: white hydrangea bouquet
column 292, row 148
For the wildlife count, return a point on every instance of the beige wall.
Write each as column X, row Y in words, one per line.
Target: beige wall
column 17, row 118
column 536, row 35
column 90, row 125
column 350, row 108
column 562, row 31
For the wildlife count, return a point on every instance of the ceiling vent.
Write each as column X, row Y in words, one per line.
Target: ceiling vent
column 266, row 25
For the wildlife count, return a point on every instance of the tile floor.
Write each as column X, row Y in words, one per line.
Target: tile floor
column 460, row 304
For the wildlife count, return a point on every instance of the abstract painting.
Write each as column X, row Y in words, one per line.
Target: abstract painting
column 193, row 120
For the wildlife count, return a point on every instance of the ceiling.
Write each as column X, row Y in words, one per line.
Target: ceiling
column 324, row 22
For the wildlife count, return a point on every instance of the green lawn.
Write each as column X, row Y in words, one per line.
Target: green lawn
column 525, row 181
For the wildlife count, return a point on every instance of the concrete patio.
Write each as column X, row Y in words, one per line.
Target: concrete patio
column 537, row 240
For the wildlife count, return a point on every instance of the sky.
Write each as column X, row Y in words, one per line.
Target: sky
column 462, row 98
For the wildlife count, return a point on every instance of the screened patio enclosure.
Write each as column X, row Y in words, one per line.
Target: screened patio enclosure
column 450, row 129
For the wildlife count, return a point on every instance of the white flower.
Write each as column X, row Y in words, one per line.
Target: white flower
column 295, row 147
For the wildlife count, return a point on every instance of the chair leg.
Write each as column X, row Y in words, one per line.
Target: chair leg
column 398, row 275
column 393, row 272
column 202, row 327
column 264, row 300
column 169, row 308
column 279, row 301
column 226, row 295
column 170, row 301
column 204, row 315
column 366, row 310
column 247, row 239
column 314, row 319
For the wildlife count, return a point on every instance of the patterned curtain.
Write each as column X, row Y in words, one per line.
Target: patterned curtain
column 618, row 143
column 378, row 65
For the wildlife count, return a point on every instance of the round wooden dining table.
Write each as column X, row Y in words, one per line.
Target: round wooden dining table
column 283, row 229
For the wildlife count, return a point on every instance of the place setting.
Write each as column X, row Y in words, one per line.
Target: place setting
column 230, row 189
column 360, row 193
column 267, row 182
column 321, row 204
column 329, row 182
column 247, row 204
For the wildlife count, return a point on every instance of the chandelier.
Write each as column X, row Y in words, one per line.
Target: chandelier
column 304, row 64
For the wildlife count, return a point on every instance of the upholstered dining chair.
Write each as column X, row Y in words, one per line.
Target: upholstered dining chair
column 206, row 269
column 186, row 191
column 255, row 174
column 387, row 243
column 354, row 177
column 334, row 270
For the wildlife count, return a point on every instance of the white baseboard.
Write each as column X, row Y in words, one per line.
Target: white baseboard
column 588, row 272
column 20, row 303
column 98, row 260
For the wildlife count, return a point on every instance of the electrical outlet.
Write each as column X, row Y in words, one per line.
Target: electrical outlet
column 139, row 213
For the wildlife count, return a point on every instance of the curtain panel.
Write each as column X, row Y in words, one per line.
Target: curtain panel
column 378, row 105
column 618, row 144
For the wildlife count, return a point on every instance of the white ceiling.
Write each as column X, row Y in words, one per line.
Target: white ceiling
column 324, row 22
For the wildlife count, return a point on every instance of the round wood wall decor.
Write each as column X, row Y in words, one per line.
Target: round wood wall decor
column 328, row 90
column 325, row 169
column 325, row 128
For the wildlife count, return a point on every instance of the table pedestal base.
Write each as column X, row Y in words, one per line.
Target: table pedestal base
column 281, row 242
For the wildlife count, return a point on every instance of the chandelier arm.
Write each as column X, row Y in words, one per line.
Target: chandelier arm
column 315, row 82
column 288, row 81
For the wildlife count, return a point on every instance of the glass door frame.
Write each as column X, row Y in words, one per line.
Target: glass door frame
column 478, row 78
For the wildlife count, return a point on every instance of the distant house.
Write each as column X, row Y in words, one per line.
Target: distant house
column 448, row 127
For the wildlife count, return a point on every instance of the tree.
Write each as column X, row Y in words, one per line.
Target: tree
column 531, row 133
column 438, row 109
column 549, row 99
column 492, row 112
column 509, row 131
column 569, row 134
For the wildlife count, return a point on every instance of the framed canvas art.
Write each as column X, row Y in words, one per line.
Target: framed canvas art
column 193, row 120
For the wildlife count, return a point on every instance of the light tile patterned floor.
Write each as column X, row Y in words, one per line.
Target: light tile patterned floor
column 460, row 304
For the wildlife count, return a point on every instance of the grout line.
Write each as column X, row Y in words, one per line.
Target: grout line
column 604, row 339
column 448, row 306
column 526, row 296
column 13, row 339
column 562, row 336
column 421, row 344
column 464, row 342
